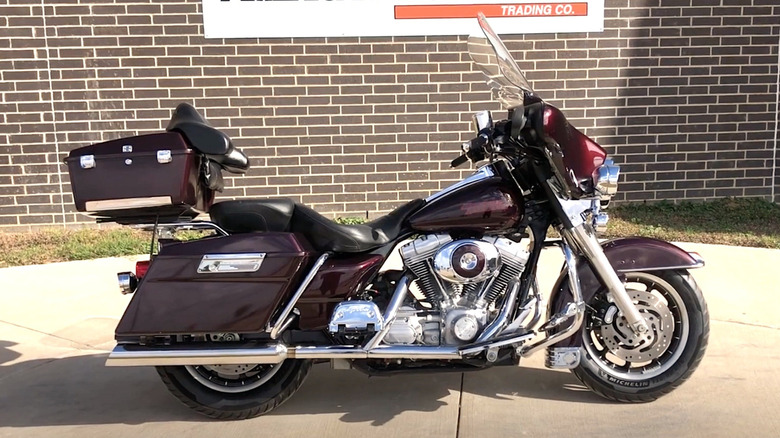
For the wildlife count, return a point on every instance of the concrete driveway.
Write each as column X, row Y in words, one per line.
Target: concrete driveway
column 57, row 322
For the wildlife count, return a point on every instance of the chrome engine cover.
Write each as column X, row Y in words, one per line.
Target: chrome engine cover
column 356, row 316
column 411, row 327
column 463, row 301
column 466, row 261
column 462, row 325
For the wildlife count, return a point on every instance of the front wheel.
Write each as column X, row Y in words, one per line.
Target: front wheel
column 620, row 365
column 233, row 392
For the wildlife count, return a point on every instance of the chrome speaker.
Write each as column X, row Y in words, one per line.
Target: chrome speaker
column 466, row 261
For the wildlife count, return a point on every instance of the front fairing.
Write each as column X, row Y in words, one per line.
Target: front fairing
column 573, row 157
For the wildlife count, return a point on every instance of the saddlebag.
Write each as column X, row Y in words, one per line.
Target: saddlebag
column 139, row 179
column 228, row 284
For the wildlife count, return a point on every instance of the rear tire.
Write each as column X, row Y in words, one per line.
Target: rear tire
column 621, row 366
column 235, row 392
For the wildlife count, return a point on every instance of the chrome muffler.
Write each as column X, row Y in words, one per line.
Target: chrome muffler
column 123, row 356
column 128, row 356
column 140, row 356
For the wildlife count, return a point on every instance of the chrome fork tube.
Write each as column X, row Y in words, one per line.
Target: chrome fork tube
column 392, row 309
column 591, row 249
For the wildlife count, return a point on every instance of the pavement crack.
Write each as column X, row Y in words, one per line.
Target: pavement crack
column 749, row 324
column 82, row 345
column 460, row 405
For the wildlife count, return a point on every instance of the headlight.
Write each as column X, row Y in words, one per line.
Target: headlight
column 605, row 179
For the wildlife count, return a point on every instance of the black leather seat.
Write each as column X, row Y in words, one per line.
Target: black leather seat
column 325, row 235
column 213, row 143
column 248, row 215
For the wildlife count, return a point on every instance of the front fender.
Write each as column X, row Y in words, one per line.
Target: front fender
column 625, row 255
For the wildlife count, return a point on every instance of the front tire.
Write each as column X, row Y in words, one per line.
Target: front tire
column 621, row 366
column 235, row 392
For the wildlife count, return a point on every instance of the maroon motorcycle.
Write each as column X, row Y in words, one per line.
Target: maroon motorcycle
column 234, row 320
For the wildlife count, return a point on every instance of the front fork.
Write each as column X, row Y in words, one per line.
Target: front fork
column 583, row 239
column 580, row 238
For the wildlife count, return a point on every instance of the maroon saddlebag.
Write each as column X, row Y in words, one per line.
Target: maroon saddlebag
column 138, row 179
column 228, row 284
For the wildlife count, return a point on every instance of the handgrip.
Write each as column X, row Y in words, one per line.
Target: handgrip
column 458, row 161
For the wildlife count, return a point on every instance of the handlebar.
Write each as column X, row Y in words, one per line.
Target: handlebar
column 474, row 149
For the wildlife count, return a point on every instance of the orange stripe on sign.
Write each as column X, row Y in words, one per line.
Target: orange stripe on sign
column 411, row 12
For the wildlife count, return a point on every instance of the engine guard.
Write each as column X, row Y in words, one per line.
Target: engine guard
column 625, row 255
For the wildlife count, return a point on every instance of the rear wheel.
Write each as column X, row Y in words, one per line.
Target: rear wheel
column 233, row 392
column 623, row 366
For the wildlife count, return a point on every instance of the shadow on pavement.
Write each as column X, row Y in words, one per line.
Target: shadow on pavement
column 6, row 354
column 80, row 390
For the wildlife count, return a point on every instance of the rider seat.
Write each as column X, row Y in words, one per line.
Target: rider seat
column 285, row 215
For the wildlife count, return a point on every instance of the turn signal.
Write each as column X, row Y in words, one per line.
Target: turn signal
column 127, row 282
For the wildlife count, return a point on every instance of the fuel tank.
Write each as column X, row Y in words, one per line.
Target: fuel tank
column 482, row 202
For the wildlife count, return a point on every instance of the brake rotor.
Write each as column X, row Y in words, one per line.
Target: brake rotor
column 621, row 341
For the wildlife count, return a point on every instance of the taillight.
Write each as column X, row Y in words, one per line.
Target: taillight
column 141, row 268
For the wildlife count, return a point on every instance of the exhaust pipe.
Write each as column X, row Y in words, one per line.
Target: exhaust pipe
column 123, row 356
column 128, row 356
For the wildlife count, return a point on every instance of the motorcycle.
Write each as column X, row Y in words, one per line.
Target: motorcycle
column 234, row 320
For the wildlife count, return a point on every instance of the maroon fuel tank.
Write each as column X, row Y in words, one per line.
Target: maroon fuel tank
column 482, row 202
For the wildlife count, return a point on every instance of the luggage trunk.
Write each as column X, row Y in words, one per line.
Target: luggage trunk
column 213, row 285
column 139, row 179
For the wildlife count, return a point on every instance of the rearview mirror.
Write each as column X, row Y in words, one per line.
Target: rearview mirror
column 482, row 120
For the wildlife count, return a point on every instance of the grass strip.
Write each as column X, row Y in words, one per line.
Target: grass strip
column 61, row 245
column 728, row 221
column 741, row 222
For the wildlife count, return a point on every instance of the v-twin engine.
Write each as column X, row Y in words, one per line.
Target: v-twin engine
column 458, row 283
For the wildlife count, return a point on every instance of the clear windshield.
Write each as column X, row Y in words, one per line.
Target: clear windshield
column 504, row 77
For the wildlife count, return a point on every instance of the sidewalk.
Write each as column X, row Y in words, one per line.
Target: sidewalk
column 57, row 322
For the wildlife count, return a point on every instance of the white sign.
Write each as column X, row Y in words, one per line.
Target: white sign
column 332, row 18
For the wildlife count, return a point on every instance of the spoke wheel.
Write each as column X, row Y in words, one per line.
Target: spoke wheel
column 622, row 365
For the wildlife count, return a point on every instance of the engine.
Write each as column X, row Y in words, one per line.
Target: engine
column 457, row 285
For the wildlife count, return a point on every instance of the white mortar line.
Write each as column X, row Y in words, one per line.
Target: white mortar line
column 53, row 114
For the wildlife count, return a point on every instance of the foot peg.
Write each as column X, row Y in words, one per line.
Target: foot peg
column 559, row 318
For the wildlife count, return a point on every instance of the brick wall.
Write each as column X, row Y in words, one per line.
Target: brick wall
column 683, row 93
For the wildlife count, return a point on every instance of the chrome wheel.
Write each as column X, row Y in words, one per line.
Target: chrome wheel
column 620, row 352
column 232, row 378
column 620, row 365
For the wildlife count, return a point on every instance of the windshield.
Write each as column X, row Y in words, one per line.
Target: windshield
column 504, row 77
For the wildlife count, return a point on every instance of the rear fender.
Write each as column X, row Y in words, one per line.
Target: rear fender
column 625, row 255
